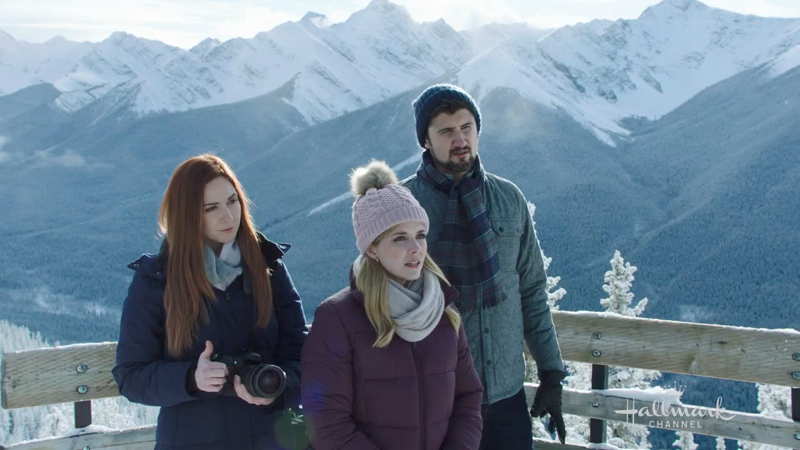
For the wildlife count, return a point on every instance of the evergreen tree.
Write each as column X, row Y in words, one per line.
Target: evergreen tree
column 773, row 401
column 555, row 293
column 618, row 282
column 685, row 441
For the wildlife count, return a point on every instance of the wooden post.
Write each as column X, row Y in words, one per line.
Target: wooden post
column 796, row 411
column 597, row 427
column 83, row 414
column 796, row 404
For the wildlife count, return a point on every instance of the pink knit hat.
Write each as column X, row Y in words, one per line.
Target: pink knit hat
column 381, row 203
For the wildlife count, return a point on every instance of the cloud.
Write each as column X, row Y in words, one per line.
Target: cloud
column 764, row 8
column 98, row 310
column 179, row 22
column 48, row 158
column 4, row 156
column 67, row 159
column 44, row 299
column 694, row 313
column 460, row 15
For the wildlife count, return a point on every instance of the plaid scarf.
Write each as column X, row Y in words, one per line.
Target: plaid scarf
column 466, row 248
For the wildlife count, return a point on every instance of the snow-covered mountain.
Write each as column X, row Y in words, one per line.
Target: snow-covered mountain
column 378, row 52
column 599, row 72
column 24, row 64
column 150, row 75
column 602, row 72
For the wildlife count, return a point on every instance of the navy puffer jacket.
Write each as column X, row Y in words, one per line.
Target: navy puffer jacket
column 147, row 374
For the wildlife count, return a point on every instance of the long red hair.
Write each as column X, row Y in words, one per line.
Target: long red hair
column 181, row 222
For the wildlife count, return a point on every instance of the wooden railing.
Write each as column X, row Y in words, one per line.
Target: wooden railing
column 80, row 373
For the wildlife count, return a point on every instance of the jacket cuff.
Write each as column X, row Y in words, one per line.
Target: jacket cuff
column 551, row 377
column 191, row 382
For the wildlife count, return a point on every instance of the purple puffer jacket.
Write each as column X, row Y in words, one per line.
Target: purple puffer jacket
column 405, row 396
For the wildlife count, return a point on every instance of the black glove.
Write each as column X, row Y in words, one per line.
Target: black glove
column 548, row 401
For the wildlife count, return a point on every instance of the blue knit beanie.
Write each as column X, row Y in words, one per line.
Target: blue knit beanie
column 431, row 97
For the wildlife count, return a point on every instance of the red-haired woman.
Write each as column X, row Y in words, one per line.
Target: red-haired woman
column 218, row 289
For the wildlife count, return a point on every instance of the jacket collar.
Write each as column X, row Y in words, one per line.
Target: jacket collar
column 272, row 251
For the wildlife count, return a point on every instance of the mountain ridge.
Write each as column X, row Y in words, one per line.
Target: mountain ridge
column 600, row 72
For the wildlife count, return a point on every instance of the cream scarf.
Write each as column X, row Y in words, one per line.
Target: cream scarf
column 416, row 309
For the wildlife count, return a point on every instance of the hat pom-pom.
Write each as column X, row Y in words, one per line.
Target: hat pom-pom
column 376, row 174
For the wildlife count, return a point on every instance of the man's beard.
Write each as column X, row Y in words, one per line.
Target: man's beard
column 455, row 167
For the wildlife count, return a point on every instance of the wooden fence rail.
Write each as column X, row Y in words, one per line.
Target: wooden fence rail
column 78, row 373
column 69, row 373
column 142, row 438
column 734, row 353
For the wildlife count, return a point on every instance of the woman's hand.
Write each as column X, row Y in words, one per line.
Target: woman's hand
column 209, row 376
column 242, row 393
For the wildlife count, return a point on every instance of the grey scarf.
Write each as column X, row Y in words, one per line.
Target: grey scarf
column 223, row 269
column 416, row 309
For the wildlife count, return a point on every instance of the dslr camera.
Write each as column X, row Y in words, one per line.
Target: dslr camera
column 259, row 378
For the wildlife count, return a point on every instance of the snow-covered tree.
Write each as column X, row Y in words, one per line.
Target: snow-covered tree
column 773, row 401
column 685, row 441
column 618, row 282
column 554, row 292
column 39, row 422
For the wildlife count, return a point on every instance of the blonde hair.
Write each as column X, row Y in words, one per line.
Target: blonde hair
column 372, row 280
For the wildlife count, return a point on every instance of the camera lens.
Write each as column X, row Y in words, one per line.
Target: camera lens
column 264, row 380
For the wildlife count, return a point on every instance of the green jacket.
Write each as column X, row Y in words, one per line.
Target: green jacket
column 496, row 334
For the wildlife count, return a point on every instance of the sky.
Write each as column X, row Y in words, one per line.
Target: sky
column 184, row 23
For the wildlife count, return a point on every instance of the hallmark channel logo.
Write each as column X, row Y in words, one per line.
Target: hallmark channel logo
column 667, row 415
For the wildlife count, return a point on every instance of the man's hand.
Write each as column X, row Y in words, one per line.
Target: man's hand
column 548, row 401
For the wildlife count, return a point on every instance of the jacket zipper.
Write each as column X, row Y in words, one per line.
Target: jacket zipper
column 421, row 397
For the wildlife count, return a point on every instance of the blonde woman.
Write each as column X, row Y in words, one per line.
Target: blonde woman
column 386, row 365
